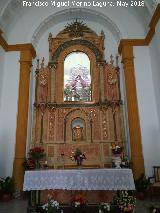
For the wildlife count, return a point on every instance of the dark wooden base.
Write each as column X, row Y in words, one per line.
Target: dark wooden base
column 91, row 208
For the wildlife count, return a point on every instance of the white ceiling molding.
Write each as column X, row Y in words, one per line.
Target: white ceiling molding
column 10, row 8
column 72, row 14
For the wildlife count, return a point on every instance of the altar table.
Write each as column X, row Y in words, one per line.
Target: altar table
column 79, row 179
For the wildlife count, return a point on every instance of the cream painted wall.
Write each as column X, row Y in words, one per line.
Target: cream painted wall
column 155, row 56
column 31, row 106
column 148, row 111
column 2, row 56
column 33, row 17
column 125, row 114
column 8, row 112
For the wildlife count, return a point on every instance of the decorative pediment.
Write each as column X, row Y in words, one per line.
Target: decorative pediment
column 76, row 34
column 76, row 29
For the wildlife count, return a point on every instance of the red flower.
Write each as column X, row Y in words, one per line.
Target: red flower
column 37, row 150
column 30, row 164
column 79, row 198
column 36, row 153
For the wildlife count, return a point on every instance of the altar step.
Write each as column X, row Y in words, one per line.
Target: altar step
column 68, row 209
column 89, row 208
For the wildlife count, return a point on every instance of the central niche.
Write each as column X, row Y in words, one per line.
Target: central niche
column 77, row 77
column 78, row 129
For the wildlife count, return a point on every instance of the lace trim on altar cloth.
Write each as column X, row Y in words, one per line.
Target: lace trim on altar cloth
column 81, row 179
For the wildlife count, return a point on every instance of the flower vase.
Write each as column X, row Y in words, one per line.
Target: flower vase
column 79, row 161
column 37, row 164
column 117, row 161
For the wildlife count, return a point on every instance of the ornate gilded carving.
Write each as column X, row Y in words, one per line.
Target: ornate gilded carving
column 77, row 133
column 56, row 117
column 42, row 85
column 43, row 78
column 51, row 123
column 42, row 107
column 111, row 78
column 66, row 44
column 76, row 29
column 104, row 124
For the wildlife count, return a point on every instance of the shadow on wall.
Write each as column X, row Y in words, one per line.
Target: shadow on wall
column 6, row 152
column 151, row 156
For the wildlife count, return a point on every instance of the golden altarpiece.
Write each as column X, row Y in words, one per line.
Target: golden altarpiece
column 77, row 100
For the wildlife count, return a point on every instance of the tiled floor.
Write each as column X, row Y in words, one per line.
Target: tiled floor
column 13, row 206
column 20, row 206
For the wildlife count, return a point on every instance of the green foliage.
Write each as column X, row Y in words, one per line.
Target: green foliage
column 37, row 153
column 78, row 152
column 51, row 206
column 29, row 164
column 7, row 185
column 104, row 207
column 142, row 183
column 67, row 91
column 154, row 208
column 125, row 200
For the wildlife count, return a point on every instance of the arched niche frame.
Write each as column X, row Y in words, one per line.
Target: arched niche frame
column 68, row 121
column 94, row 71
column 78, row 127
column 77, row 78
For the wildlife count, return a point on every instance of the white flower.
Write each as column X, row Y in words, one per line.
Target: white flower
column 108, row 208
column 77, row 204
column 49, row 196
column 45, row 206
column 51, row 203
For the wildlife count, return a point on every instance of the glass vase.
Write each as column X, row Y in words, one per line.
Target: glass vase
column 37, row 164
column 79, row 162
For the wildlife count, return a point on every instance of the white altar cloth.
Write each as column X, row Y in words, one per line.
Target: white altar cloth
column 79, row 179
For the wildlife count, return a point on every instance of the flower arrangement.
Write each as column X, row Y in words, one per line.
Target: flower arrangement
column 52, row 206
column 125, row 162
column 78, row 201
column 36, row 153
column 62, row 154
column 142, row 183
column 155, row 209
column 78, row 156
column 29, row 164
column 124, row 201
column 104, row 207
column 7, row 186
column 116, row 149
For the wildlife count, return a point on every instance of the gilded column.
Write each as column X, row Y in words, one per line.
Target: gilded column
column 22, row 116
column 133, row 114
column 53, row 84
column 101, row 70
